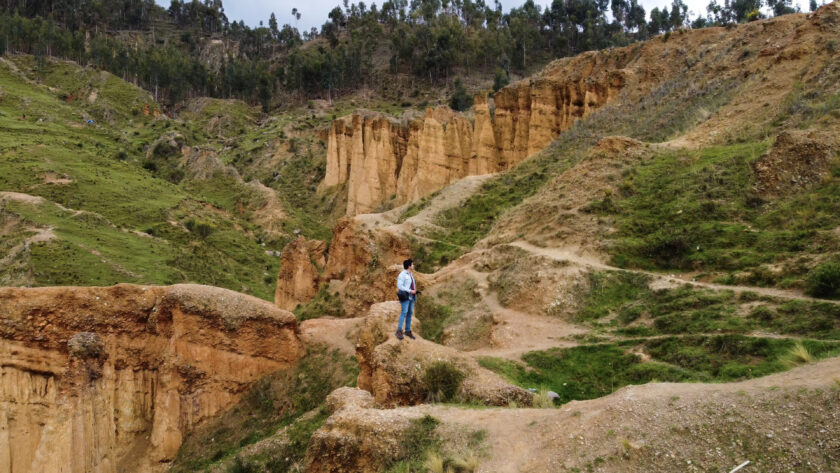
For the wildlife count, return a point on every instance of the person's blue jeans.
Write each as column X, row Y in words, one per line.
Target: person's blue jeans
column 405, row 315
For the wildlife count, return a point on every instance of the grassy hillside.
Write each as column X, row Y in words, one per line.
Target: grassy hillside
column 78, row 139
column 109, row 197
column 690, row 201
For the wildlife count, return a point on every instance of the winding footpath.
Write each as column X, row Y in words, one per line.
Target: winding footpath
column 564, row 254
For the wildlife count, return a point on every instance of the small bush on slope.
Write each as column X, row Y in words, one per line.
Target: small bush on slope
column 429, row 451
column 824, row 280
column 323, row 305
column 442, row 380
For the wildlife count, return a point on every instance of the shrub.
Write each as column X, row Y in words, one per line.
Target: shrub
column 436, row 317
column 324, row 304
column 460, row 99
column 542, row 400
column 164, row 150
column 434, row 462
column 824, row 280
column 204, row 229
column 798, row 355
column 500, row 79
column 762, row 313
column 241, row 466
column 669, row 248
column 442, row 379
column 149, row 165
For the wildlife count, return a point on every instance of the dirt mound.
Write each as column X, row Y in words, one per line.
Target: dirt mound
column 268, row 212
column 532, row 283
column 203, row 164
column 357, row 438
column 797, row 161
column 340, row 334
column 614, row 145
column 397, row 372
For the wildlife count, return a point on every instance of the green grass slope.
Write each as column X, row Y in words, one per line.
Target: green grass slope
column 111, row 220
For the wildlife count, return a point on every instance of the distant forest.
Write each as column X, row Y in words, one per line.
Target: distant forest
column 432, row 40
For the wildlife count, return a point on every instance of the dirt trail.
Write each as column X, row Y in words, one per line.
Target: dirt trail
column 658, row 280
column 635, row 426
column 516, row 333
column 17, row 72
column 447, row 198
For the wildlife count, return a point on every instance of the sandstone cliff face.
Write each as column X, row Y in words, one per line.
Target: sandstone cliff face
column 367, row 263
column 110, row 379
column 381, row 158
column 299, row 278
column 364, row 264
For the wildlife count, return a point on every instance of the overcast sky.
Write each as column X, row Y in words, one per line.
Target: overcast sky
column 314, row 12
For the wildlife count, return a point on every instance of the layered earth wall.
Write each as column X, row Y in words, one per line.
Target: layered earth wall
column 111, row 379
column 381, row 158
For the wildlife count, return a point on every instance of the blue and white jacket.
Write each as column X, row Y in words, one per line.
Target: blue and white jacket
column 404, row 281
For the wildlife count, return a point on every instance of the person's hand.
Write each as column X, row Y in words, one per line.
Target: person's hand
column 413, row 291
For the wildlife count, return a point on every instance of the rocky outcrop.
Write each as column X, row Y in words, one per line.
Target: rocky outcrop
column 394, row 371
column 354, row 249
column 365, row 150
column 357, row 438
column 381, row 158
column 797, row 161
column 110, row 379
column 299, row 277
column 203, row 164
column 363, row 263
column 364, row 434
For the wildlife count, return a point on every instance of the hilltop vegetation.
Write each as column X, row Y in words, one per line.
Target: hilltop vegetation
column 192, row 49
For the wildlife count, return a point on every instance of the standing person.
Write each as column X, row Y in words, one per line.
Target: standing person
column 407, row 293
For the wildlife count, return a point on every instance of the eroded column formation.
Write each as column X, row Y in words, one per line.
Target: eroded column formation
column 383, row 159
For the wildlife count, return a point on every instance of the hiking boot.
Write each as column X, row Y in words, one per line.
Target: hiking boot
column 399, row 335
column 409, row 334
